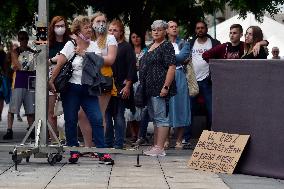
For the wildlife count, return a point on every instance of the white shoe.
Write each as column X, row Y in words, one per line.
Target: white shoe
column 155, row 151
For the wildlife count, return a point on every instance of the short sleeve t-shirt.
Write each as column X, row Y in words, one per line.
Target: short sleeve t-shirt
column 106, row 70
column 200, row 66
column 175, row 45
column 68, row 52
column 52, row 53
column 234, row 52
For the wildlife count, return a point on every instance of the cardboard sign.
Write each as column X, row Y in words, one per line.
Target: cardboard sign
column 217, row 152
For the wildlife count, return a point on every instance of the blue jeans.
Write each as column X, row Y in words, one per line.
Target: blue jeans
column 76, row 96
column 143, row 125
column 115, row 123
column 205, row 89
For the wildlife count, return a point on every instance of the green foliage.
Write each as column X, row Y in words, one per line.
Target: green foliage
column 67, row 8
column 137, row 14
column 14, row 15
column 257, row 7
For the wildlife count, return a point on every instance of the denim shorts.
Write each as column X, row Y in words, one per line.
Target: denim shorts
column 22, row 96
column 157, row 111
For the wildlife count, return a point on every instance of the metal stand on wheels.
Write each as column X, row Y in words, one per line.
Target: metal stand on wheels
column 41, row 149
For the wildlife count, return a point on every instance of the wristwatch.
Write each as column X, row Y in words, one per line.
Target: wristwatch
column 166, row 87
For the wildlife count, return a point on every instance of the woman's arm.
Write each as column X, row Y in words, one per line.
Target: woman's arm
column 257, row 46
column 111, row 55
column 60, row 62
column 169, row 79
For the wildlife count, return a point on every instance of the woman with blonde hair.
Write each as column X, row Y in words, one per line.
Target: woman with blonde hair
column 77, row 93
column 105, row 46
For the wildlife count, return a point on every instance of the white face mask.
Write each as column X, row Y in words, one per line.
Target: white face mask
column 99, row 27
column 59, row 31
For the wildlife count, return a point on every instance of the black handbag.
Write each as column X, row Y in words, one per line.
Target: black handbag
column 140, row 99
column 60, row 82
column 106, row 84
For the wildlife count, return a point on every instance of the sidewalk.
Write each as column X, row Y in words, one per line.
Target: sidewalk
column 170, row 171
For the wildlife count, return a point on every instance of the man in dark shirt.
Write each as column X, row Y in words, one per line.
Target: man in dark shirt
column 124, row 72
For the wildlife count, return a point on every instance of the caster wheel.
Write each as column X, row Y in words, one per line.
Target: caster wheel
column 51, row 159
column 58, row 157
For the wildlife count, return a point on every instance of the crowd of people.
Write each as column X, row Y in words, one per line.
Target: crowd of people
column 103, row 115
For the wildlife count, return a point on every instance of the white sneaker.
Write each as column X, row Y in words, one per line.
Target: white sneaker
column 155, row 151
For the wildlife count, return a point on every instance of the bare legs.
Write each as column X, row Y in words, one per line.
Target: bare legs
column 85, row 127
column 51, row 118
column 103, row 101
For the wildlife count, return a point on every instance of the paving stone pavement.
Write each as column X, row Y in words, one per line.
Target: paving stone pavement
column 169, row 172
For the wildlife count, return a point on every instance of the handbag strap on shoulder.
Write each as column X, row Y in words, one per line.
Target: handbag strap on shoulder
column 75, row 45
column 74, row 42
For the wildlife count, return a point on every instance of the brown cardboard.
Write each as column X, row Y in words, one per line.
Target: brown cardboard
column 217, row 152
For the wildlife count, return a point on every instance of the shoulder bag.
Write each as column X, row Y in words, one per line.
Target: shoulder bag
column 107, row 84
column 191, row 78
column 65, row 74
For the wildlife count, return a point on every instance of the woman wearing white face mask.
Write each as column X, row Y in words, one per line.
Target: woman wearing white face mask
column 58, row 35
column 105, row 46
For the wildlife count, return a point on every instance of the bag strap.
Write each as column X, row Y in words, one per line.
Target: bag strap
column 75, row 45
column 74, row 42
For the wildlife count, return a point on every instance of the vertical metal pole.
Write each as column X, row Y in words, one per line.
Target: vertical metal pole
column 41, row 77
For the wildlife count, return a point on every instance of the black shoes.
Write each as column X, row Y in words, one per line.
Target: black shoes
column 8, row 135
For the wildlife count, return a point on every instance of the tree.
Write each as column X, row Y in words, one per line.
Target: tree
column 258, row 8
column 15, row 15
column 137, row 14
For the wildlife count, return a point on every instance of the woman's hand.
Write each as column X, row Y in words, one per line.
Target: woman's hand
column 51, row 86
column 125, row 92
column 164, row 92
column 256, row 49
